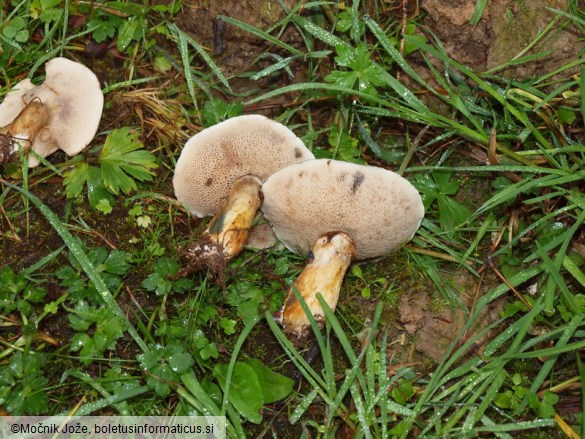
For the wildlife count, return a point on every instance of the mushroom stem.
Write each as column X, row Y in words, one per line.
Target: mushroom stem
column 22, row 131
column 229, row 228
column 331, row 255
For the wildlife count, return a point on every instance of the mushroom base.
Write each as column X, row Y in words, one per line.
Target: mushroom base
column 204, row 254
column 332, row 254
column 229, row 229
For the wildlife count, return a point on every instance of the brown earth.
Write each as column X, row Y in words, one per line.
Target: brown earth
column 505, row 32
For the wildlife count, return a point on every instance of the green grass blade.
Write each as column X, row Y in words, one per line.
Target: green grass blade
column 582, row 89
column 485, row 86
column 185, row 38
column 489, row 423
column 323, row 347
column 184, row 51
column 235, row 352
column 318, row 32
column 300, row 363
column 561, row 348
column 201, row 401
column 361, row 411
column 581, row 371
column 478, row 11
column 303, row 406
column 516, row 426
column 574, row 270
column 260, row 34
column 100, row 404
column 42, row 262
column 382, row 37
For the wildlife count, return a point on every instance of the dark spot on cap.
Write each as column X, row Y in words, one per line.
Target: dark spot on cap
column 341, row 177
column 358, row 179
column 209, row 182
column 298, row 153
column 328, row 162
column 301, row 174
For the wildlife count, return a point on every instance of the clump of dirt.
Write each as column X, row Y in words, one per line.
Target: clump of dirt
column 504, row 33
column 204, row 254
column 433, row 330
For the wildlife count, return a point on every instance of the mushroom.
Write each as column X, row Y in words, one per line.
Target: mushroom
column 220, row 172
column 337, row 212
column 61, row 113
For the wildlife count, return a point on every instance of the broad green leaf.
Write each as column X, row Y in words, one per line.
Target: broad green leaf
column 166, row 267
column 123, row 161
column 46, row 4
column 452, row 213
column 117, row 262
column 365, row 74
column 245, row 392
column 104, row 206
column 22, row 385
column 180, row 361
column 165, row 364
column 228, row 325
column 96, row 191
column 157, row 283
column 10, row 282
column 274, row 385
column 130, row 30
column 209, row 351
column 75, row 179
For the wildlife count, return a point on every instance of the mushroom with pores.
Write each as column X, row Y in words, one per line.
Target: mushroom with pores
column 337, row 212
column 220, row 172
column 62, row 113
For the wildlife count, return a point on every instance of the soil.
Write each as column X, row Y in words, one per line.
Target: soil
column 505, row 31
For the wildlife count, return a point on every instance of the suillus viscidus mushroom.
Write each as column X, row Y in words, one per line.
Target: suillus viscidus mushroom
column 220, row 172
column 336, row 212
column 62, row 113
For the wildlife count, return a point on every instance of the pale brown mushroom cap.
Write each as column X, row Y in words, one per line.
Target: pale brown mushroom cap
column 214, row 158
column 379, row 209
column 74, row 99
column 261, row 236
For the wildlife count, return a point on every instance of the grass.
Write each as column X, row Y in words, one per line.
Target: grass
column 99, row 322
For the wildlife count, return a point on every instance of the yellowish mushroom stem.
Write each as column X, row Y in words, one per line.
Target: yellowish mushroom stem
column 332, row 254
column 22, row 131
column 230, row 227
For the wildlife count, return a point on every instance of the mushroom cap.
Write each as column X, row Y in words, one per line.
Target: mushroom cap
column 73, row 96
column 379, row 209
column 14, row 103
column 217, row 156
column 261, row 236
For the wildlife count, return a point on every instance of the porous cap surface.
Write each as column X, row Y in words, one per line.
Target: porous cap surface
column 217, row 156
column 379, row 209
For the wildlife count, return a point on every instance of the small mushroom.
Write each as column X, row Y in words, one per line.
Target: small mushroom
column 61, row 113
column 220, row 172
column 336, row 212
